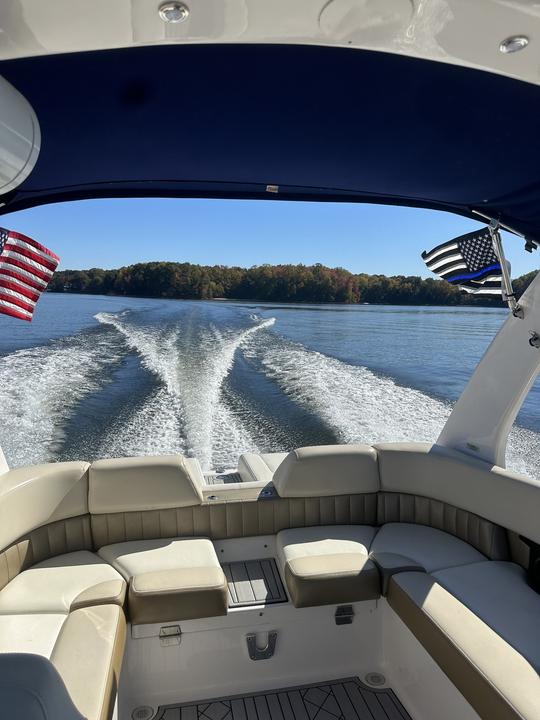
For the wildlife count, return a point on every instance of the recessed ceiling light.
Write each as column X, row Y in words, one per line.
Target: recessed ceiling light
column 173, row 12
column 514, row 44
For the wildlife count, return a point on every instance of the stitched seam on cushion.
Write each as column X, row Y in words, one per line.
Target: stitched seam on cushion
column 175, row 591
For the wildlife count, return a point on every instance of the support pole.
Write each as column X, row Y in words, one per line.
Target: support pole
column 508, row 290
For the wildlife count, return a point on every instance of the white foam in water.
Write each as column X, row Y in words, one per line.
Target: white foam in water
column 361, row 406
column 39, row 389
column 189, row 415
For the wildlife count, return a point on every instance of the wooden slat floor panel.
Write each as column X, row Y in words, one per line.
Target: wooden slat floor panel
column 254, row 582
column 347, row 699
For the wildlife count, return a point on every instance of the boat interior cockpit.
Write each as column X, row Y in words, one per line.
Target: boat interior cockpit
column 389, row 581
column 349, row 580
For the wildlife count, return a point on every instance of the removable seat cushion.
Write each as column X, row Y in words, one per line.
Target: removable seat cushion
column 259, row 468
column 497, row 681
column 88, row 656
column 63, row 583
column 33, row 633
column 328, row 565
column 171, row 579
column 498, row 593
column 183, row 594
column 432, row 549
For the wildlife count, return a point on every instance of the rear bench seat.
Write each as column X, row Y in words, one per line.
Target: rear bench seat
column 169, row 578
column 443, row 569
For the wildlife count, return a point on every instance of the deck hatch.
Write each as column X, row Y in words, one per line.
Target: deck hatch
column 254, row 582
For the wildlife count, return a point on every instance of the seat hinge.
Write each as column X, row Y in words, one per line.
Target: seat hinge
column 170, row 635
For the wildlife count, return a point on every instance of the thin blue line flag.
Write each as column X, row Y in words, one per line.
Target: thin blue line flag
column 469, row 262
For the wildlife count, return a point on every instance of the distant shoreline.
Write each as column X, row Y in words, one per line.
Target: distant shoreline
column 290, row 284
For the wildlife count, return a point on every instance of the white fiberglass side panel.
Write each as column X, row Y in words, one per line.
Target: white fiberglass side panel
column 483, row 416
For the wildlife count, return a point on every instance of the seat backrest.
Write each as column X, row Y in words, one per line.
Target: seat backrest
column 144, row 483
column 43, row 512
column 429, row 471
column 31, row 688
column 328, row 470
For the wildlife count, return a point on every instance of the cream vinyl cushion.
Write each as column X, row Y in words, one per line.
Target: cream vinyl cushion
column 142, row 556
column 53, row 586
column 432, row 549
column 40, row 494
column 172, row 579
column 88, row 655
column 259, row 468
column 497, row 592
column 144, row 483
column 328, row 564
column 327, row 470
column 502, row 496
column 30, row 633
column 494, row 678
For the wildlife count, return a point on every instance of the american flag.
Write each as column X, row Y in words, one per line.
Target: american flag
column 468, row 261
column 26, row 268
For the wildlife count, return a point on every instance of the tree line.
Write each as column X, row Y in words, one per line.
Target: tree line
column 270, row 283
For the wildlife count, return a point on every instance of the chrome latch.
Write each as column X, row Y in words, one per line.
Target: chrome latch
column 170, row 635
column 344, row 615
column 261, row 653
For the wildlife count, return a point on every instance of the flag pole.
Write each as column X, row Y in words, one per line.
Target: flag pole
column 508, row 290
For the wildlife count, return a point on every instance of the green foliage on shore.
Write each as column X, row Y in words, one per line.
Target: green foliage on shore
column 271, row 283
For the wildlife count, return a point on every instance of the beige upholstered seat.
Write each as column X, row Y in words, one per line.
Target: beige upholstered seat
column 432, row 549
column 498, row 593
column 493, row 676
column 85, row 646
column 328, row 470
column 172, row 579
column 63, row 583
column 259, row 468
column 328, row 565
column 88, row 655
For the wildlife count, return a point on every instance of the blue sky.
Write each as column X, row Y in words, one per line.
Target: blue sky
column 361, row 238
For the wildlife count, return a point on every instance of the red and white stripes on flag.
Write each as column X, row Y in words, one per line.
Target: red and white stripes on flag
column 26, row 268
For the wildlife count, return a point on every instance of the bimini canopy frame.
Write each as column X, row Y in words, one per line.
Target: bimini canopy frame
column 321, row 123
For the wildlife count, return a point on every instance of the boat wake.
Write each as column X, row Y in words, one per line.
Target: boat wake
column 41, row 387
column 187, row 413
column 134, row 386
column 361, row 406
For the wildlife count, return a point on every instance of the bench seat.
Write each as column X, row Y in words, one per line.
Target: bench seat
column 432, row 549
column 493, row 675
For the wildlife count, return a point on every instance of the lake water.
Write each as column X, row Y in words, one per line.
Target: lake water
column 100, row 376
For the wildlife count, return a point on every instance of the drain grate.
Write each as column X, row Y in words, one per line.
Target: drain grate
column 254, row 582
column 347, row 699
